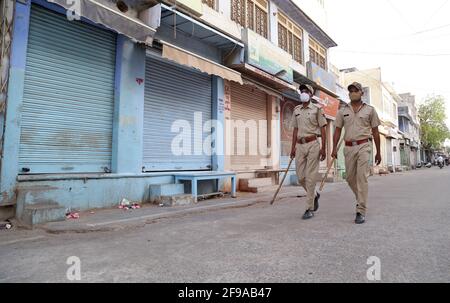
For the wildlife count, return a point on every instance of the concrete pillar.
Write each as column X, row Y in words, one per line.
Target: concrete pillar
column 11, row 141
column 227, row 132
column 306, row 46
column 227, row 121
column 127, row 144
column 274, row 131
column 218, row 116
column 225, row 8
column 273, row 23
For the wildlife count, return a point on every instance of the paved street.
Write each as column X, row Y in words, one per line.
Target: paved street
column 407, row 228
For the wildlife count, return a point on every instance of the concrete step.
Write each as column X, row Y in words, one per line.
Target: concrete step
column 263, row 189
column 159, row 190
column 177, row 200
column 245, row 184
column 40, row 213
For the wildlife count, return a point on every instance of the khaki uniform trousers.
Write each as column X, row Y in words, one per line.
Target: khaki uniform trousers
column 357, row 170
column 307, row 167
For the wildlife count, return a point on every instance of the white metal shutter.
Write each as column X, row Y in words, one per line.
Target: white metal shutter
column 68, row 98
column 247, row 103
column 389, row 151
column 172, row 93
column 287, row 111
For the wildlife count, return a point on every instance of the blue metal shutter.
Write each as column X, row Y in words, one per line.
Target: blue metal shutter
column 172, row 93
column 68, row 98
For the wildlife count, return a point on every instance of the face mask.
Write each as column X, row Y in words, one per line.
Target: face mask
column 304, row 97
column 354, row 97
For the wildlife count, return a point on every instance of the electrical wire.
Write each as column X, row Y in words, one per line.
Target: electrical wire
column 435, row 12
column 393, row 54
column 431, row 29
column 400, row 14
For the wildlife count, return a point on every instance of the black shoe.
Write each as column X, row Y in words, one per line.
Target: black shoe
column 316, row 202
column 308, row 215
column 360, row 219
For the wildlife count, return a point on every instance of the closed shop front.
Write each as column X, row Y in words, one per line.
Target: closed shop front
column 249, row 112
column 178, row 102
column 287, row 110
column 68, row 101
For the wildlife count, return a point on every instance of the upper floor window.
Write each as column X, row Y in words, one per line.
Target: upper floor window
column 252, row 14
column 290, row 38
column 210, row 3
column 317, row 54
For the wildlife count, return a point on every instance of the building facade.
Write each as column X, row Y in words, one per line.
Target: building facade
column 410, row 127
column 100, row 109
column 106, row 101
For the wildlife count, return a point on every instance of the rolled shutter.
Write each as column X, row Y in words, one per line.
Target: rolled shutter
column 248, row 104
column 68, row 100
column 175, row 93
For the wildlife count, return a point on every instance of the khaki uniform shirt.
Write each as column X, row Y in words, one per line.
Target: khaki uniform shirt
column 308, row 120
column 358, row 126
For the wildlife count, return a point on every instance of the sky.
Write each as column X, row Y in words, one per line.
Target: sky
column 408, row 39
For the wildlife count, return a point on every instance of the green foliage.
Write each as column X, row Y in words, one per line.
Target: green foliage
column 432, row 118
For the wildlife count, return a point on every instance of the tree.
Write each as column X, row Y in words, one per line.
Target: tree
column 432, row 118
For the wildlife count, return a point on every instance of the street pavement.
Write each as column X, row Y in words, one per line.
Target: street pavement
column 407, row 230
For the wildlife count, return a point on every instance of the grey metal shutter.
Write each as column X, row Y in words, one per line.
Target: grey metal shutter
column 172, row 93
column 247, row 103
column 68, row 96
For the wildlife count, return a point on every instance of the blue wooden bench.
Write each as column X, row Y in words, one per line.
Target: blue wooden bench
column 210, row 175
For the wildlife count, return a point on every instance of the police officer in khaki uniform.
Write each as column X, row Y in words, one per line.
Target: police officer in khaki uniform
column 360, row 121
column 309, row 124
